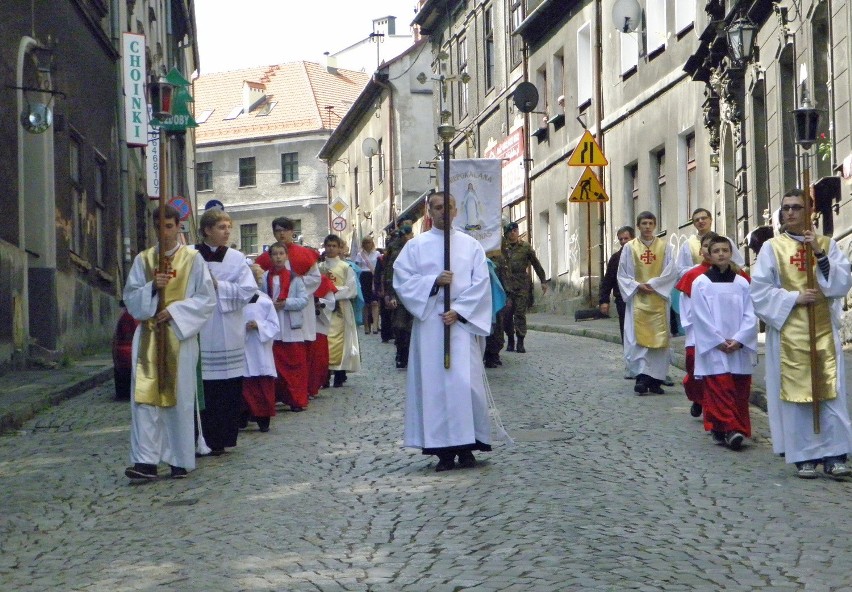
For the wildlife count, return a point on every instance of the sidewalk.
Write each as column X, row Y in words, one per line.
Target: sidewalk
column 26, row 392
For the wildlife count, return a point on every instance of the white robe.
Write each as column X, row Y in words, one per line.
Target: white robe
column 312, row 280
column 791, row 424
column 292, row 316
column 685, row 260
column 258, row 356
column 167, row 434
column 720, row 311
column 324, row 313
column 445, row 407
column 345, row 298
column 639, row 359
column 223, row 338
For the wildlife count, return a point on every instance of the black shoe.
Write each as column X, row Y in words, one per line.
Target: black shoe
column 734, row 440
column 656, row 389
column 695, row 410
column 718, row 437
column 141, row 471
column 179, row 473
column 263, row 424
column 445, row 464
column 490, row 363
column 510, row 344
column 297, row 409
column 520, row 347
column 339, row 378
column 217, row 452
column 641, row 386
column 466, row 460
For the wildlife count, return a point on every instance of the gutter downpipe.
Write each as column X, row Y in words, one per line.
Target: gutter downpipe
column 599, row 112
column 527, row 158
column 124, row 184
column 392, row 152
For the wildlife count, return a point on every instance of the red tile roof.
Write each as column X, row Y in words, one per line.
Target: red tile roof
column 307, row 98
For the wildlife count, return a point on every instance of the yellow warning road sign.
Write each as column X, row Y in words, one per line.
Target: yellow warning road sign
column 587, row 153
column 588, row 189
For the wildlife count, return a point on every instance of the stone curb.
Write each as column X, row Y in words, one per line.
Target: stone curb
column 758, row 393
column 19, row 412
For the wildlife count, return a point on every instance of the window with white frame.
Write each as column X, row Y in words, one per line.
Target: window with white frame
column 631, row 185
column 584, row 66
column 659, row 163
column 462, row 69
column 488, row 30
column 564, row 243
column 655, row 18
column 546, row 241
column 541, row 86
column 100, row 206
column 691, row 177
column 517, row 43
column 248, row 238
column 558, row 81
column 684, row 15
column 629, row 52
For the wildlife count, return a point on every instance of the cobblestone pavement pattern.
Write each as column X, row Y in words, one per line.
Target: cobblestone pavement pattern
column 604, row 491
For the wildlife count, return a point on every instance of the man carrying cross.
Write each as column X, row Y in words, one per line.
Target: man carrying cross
column 646, row 276
column 781, row 299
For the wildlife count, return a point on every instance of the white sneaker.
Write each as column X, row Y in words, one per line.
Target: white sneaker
column 807, row 470
column 837, row 469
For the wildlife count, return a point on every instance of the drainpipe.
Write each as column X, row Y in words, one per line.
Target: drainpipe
column 601, row 143
column 527, row 158
column 391, row 153
column 124, row 184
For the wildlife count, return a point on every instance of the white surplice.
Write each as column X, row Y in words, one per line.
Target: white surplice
column 642, row 360
column 167, row 434
column 445, row 407
column 721, row 311
column 312, row 280
column 791, row 424
column 258, row 356
column 223, row 338
column 292, row 316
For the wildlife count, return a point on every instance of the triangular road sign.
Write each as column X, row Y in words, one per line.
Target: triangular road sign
column 588, row 189
column 587, row 153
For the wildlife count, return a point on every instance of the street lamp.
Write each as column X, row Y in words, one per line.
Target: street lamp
column 741, row 34
column 807, row 122
column 160, row 93
column 332, row 180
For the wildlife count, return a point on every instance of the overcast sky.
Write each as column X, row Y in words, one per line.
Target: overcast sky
column 234, row 34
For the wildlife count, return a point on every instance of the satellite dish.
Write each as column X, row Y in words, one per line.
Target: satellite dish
column 36, row 118
column 626, row 15
column 370, row 147
column 525, row 97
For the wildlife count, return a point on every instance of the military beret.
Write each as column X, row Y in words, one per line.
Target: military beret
column 510, row 227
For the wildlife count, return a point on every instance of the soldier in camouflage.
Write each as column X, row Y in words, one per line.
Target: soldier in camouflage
column 519, row 256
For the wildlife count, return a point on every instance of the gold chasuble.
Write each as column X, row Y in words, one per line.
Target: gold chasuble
column 795, row 341
column 156, row 385
column 650, row 311
column 337, row 327
column 695, row 248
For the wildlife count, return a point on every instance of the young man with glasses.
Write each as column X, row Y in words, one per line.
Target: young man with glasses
column 689, row 255
column 781, row 299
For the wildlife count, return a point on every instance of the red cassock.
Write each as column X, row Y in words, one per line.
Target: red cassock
column 259, row 395
column 726, row 399
column 318, row 350
column 693, row 388
column 291, row 362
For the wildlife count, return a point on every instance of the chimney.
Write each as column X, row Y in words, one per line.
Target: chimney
column 330, row 63
column 254, row 94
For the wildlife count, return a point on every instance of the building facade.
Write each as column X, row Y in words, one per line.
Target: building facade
column 73, row 187
column 379, row 156
column 260, row 130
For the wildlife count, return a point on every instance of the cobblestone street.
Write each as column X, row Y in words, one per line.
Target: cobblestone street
column 603, row 491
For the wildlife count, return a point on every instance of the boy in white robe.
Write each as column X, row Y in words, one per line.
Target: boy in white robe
column 725, row 333
column 259, row 378
column 344, row 351
column 780, row 298
column 646, row 276
column 163, row 423
column 446, row 411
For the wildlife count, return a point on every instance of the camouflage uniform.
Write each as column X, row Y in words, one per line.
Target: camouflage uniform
column 518, row 284
column 402, row 320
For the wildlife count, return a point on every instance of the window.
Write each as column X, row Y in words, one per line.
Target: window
column 558, row 81
column 489, row 48
column 684, row 17
column 546, row 241
column 100, row 201
column 205, row 115
column 370, row 174
column 631, row 207
column 660, row 169
column 248, row 176
column 290, row 167
column 78, row 208
column 516, row 8
column 541, row 86
column 655, row 16
column 584, row 66
column 761, row 156
column 629, row 52
column 204, row 176
column 381, row 157
column 691, row 177
column 248, row 238
column 462, row 68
